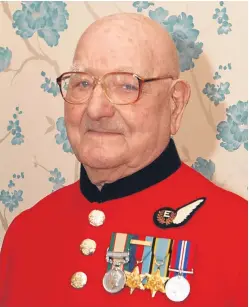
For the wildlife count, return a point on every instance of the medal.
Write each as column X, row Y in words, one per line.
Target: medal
column 78, row 280
column 156, row 266
column 155, row 283
column 88, row 247
column 96, row 218
column 114, row 280
column 177, row 288
column 134, row 279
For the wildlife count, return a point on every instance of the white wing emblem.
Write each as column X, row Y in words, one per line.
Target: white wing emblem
column 185, row 212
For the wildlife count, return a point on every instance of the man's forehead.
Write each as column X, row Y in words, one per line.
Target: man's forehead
column 148, row 52
column 78, row 66
column 100, row 63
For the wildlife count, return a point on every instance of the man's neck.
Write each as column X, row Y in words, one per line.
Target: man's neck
column 100, row 177
column 104, row 185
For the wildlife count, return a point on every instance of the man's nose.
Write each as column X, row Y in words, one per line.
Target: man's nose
column 99, row 106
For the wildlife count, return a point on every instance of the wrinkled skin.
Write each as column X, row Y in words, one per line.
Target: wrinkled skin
column 114, row 141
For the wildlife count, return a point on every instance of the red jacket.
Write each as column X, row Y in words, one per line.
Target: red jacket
column 41, row 248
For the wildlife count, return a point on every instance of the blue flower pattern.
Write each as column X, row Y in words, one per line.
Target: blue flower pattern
column 56, row 179
column 61, row 137
column 5, row 58
column 220, row 15
column 225, row 28
column 159, row 15
column 14, row 127
column 223, row 20
column 142, row 5
column 216, row 76
column 47, row 18
column 11, row 184
column 48, row 86
column 234, row 131
column 9, row 198
column 225, row 67
column 181, row 29
column 216, row 93
column 204, row 167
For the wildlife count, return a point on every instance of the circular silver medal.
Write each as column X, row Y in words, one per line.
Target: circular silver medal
column 114, row 280
column 177, row 288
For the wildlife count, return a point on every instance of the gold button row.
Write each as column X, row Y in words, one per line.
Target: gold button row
column 88, row 247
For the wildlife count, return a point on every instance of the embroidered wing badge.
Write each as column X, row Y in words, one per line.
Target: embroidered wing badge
column 167, row 217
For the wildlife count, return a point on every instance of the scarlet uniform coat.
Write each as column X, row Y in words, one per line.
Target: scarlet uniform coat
column 41, row 248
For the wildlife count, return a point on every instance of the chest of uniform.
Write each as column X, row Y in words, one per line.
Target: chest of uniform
column 55, row 274
column 95, row 266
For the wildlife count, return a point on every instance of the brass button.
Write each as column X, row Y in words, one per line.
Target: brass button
column 88, row 247
column 96, row 218
column 78, row 280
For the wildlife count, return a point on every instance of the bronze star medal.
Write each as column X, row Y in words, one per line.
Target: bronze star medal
column 134, row 279
column 155, row 283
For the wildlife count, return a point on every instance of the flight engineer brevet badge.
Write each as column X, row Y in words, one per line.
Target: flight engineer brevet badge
column 167, row 217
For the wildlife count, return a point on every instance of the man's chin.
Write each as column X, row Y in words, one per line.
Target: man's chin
column 101, row 165
column 102, row 160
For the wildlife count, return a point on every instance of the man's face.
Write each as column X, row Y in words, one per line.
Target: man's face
column 104, row 135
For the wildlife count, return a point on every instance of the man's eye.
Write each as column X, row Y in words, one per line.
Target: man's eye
column 85, row 83
column 129, row 87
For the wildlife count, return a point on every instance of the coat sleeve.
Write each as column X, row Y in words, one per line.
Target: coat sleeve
column 7, row 259
column 241, row 286
column 5, row 268
column 239, row 258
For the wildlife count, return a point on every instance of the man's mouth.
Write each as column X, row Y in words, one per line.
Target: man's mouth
column 103, row 132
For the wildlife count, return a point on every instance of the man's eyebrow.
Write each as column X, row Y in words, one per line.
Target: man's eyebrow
column 143, row 73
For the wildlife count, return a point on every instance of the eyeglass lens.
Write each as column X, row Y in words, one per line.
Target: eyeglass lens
column 120, row 88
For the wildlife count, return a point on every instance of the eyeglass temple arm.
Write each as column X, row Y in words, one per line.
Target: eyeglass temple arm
column 155, row 79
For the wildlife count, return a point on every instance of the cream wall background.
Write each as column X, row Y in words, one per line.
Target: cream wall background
column 37, row 41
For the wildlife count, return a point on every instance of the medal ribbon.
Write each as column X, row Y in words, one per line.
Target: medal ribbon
column 120, row 242
column 182, row 257
column 159, row 252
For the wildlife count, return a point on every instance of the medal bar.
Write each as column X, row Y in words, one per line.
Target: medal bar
column 181, row 271
column 140, row 242
column 117, row 255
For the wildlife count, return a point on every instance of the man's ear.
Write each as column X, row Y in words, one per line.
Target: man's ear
column 180, row 93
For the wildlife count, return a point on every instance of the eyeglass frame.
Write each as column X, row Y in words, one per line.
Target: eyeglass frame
column 97, row 81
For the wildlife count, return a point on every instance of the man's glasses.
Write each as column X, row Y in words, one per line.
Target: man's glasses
column 119, row 87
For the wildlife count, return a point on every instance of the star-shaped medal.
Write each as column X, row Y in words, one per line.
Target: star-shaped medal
column 134, row 279
column 155, row 282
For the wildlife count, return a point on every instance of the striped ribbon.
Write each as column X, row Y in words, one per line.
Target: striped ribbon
column 160, row 252
column 182, row 257
column 176, row 254
column 120, row 242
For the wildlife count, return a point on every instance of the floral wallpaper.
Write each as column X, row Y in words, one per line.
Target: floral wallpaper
column 37, row 44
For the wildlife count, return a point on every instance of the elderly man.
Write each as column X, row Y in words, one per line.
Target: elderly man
column 139, row 228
